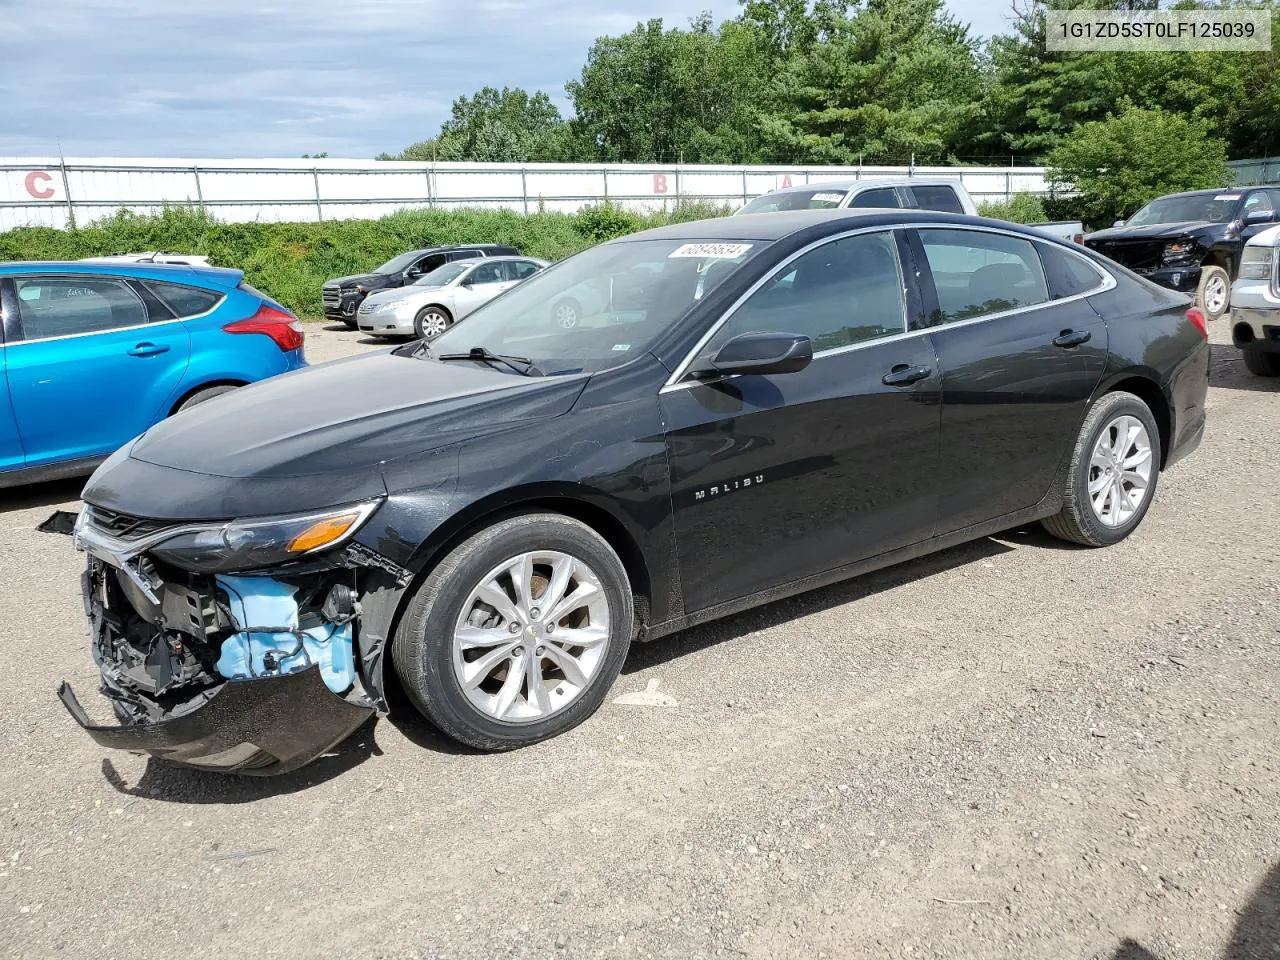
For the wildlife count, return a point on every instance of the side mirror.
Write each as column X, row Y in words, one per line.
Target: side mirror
column 467, row 281
column 1258, row 216
column 1118, row 223
column 763, row 353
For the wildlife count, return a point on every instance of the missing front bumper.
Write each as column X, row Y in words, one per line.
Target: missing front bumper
column 260, row 727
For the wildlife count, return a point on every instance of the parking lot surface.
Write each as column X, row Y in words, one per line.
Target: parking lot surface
column 1012, row 749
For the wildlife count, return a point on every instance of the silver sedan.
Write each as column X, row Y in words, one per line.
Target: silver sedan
column 427, row 307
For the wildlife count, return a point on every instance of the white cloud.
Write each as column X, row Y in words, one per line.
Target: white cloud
column 244, row 78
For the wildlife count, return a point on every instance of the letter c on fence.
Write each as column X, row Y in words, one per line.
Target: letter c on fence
column 36, row 177
column 659, row 183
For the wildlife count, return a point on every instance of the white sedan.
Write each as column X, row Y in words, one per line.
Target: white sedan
column 427, row 307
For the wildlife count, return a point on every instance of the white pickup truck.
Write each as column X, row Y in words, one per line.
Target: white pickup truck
column 911, row 193
column 1255, row 304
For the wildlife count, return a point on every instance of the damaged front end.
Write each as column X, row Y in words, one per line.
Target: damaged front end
column 256, row 670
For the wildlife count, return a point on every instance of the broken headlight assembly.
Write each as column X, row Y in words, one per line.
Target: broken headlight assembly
column 254, row 543
column 1179, row 251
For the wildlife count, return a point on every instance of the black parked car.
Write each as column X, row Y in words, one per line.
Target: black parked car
column 1192, row 241
column 342, row 297
column 798, row 398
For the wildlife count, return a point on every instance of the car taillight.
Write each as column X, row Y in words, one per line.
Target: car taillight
column 280, row 325
column 1197, row 319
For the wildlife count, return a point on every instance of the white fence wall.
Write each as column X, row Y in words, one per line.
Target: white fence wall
column 48, row 191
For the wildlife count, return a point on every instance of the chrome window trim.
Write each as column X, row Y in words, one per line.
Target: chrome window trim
column 150, row 325
column 1107, row 282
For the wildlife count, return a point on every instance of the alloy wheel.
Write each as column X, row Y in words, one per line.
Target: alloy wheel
column 1120, row 470
column 434, row 323
column 1215, row 294
column 531, row 636
column 566, row 316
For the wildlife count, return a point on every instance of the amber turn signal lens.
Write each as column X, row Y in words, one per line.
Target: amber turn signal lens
column 323, row 533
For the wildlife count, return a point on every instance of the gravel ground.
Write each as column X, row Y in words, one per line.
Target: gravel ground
column 1011, row 749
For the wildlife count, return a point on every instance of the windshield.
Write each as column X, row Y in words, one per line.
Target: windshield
column 601, row 308
column 442, row 275
column 815, row 199
column 1214, row 207
column 399, row 264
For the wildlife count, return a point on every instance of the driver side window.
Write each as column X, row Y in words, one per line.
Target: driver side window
column 844, row 292
column 487, row 273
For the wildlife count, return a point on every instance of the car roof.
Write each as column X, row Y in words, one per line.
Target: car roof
column 221, row 278
column 457, row 246
column 869, row 182
column 776, row 226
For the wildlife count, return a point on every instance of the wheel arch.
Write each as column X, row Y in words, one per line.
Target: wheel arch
column 1146, row 387
column 223, row 382
column 570, row 500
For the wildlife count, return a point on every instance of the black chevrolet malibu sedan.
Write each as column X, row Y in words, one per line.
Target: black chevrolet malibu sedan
column 779, row 401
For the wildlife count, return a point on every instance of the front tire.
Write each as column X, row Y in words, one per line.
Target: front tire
column 1261, row 364
column 1111, row 477
column 1214, row 293
column 480, row 654
column 431, row 322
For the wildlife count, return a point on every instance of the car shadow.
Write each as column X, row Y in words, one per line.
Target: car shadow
column 47, row 494
column 1254, row 936
column 171, row 783
column 387, row 341
column 337, row 327
column 1227, row 370
column 664, row 649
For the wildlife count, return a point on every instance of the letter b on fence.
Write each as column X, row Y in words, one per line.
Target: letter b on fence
column 659, row 183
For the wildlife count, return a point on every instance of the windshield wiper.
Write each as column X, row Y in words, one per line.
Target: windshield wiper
column 521, row 365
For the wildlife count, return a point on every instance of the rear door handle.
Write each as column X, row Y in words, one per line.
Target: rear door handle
column 148, row 349
column 904, row 374
column 1072, row 338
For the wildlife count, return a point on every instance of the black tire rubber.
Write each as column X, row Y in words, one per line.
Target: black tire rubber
column 200, row 396
column 1205, row 273
column 422, row 646
column 1261, row 364
column 422, row 314
column 1076, row 521
column 349, row 322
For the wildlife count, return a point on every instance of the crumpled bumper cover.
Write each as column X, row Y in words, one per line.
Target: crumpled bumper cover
column 260, row 727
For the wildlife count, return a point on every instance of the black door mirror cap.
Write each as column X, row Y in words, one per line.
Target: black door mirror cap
column 763, row 354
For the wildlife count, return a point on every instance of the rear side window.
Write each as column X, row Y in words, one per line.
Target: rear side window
column 977, row 273
column 937, row 198
column 882, row 197
column 1068, row 275
column 521, row 269
column 465, row 254
column 184, row 301
column 68, row 306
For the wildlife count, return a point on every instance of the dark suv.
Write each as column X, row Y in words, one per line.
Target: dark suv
column 1192, row 241
column 343, row 296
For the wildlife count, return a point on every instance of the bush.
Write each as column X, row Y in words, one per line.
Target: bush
column 1119, row 164
column 1022, row 207
column 290, row 261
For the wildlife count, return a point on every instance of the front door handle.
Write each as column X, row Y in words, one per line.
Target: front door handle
column 1072, row 338
column 148, row 349
column 904, row 374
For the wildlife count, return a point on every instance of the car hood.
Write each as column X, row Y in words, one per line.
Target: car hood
column 378, row 279
column 1154, row 231
column 408, row 294
column 349, row 415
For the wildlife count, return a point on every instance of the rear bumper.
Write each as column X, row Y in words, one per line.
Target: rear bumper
column 260, row 727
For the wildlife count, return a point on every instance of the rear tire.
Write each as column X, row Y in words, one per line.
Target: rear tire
column 1261, row 364
column 431, row 322
column 200, row 396
column 1100, row 487
column 1214, row 293
column 469, row 665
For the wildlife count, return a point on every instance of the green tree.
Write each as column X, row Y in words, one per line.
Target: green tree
column 509, row 126
column 895, row 78
column 1118, row 164
column 658, row 94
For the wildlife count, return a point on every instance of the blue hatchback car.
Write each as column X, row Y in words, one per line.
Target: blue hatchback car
column 94, row 354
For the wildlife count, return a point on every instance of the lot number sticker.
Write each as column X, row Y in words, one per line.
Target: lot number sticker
column 724, row 251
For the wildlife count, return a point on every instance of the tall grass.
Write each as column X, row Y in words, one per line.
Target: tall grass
column 290, row 261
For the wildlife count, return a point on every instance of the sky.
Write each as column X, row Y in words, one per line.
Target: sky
column 280, row 78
